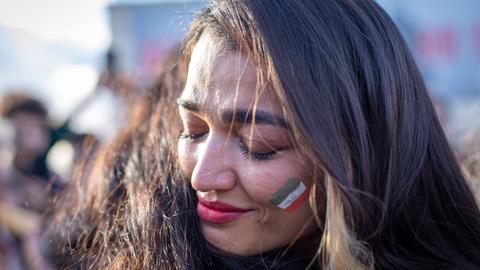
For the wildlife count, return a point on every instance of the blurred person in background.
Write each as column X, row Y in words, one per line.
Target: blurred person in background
column 9, row 251
column 33, row 137
column 28, row 183
column 24, row 139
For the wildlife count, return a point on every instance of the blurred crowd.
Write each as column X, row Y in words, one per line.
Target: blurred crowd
column 27, row 183
column 37, row 158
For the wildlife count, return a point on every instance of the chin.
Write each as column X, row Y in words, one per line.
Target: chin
column 226, row 241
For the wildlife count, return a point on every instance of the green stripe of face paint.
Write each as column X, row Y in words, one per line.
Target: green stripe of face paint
column 284, row 191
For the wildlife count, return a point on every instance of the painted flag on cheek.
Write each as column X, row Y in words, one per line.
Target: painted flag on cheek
column 290, row 196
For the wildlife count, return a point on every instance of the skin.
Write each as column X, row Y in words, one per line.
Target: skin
column 31, row 140
column 236, row 162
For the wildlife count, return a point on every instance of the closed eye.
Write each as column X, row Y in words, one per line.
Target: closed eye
column 257, row 156
column 192, row 136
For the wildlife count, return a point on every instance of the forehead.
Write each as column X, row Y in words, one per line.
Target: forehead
column 223, row 78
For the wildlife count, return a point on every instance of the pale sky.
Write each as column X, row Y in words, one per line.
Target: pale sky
column 60, row 80
column 81, row 23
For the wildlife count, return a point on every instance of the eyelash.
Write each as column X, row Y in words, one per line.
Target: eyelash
column 192, row 136
column 243, row 148
column 255, row 155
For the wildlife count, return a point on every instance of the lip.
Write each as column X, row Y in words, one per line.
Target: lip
column 218, row 212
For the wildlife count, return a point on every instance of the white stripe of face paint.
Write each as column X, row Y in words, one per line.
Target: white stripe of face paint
column 292, row 197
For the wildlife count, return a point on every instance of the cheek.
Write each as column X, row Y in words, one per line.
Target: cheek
column 186, row 157
column 276, row 224
column 259, row 183
column 265, row 181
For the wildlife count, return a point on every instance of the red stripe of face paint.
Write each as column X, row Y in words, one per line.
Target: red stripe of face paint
column 299, row 202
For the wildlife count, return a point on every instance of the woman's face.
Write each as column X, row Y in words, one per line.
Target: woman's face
column 234, row 167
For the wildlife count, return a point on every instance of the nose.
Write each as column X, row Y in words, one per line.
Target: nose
column 214, row 168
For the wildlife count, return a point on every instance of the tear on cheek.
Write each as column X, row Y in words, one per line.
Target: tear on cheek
column 290, row 196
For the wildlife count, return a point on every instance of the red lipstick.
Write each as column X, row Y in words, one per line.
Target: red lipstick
column 218, row 212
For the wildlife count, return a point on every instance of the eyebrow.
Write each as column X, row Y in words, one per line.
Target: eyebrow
column 240, row 116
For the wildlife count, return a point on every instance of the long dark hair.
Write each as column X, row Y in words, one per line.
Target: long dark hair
column 388, row 192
